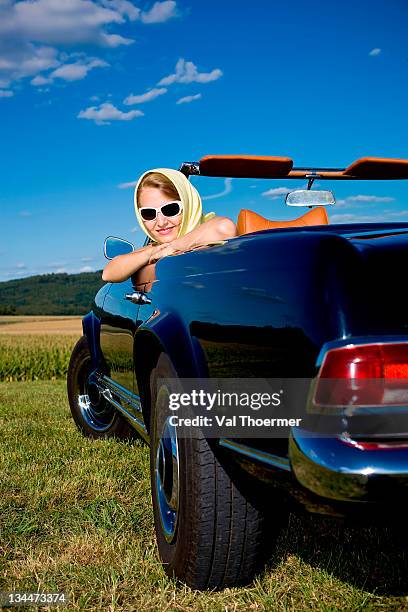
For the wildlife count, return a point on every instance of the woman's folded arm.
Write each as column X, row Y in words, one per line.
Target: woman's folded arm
column 122, row 267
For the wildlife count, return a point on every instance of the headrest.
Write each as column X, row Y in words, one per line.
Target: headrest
column 249, row 221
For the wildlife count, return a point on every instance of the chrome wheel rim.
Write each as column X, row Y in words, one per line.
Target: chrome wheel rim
column 167, row 478
column 95, row 409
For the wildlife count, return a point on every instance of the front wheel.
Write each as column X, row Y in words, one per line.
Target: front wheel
column 94, row 416
column 209, row 534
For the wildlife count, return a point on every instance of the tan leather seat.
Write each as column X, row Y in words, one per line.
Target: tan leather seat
column 249, row 221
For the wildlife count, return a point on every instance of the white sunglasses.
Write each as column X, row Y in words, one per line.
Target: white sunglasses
column 170, row 209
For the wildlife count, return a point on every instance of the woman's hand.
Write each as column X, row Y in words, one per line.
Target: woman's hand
column 216, row 229
column 162, row 250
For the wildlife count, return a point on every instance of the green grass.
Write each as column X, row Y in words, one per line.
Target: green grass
column 75, row 516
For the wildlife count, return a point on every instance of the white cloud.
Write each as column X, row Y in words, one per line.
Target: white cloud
column 378, row 217
column 369, row 198
column 160, row 11
column 40, row 80
column 349, row 218
column 86, row 269
column 87, row 259
column 227, row 189
column 146, row 97
column 106, row 113
column 396, row 214
column 127, row 185
column 77, row 71
column 70, row 72
column 6, row 93
column 124, row 7
column 276, row 192
column 63, row 21
column 17, row 62
column 32, row 33
column 21, row 266
column 115, row 40
column 20, row 273
column 57, row 264
column 374, row 52
column 353, row 200
column 188, row 99
column 29, row 27
column 186, row 72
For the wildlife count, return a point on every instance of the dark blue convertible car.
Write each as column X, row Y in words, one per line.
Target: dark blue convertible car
column 302, row 300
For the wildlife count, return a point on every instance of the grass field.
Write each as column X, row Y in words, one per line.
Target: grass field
column 36, row 347
column 75, row 516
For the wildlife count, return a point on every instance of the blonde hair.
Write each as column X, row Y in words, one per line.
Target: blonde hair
column 159, row 181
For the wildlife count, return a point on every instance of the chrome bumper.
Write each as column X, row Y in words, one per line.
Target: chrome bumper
column 337, row 469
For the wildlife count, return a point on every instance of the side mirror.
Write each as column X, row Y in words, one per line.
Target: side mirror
column 116, row 246
column 308, row 197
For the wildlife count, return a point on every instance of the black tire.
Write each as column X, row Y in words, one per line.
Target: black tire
column 94, row 416
column 219, row 538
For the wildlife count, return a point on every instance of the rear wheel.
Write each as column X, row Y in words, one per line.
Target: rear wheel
column 209, row 534
column 94, row 416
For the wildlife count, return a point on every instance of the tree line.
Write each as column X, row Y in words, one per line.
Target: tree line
column 50, row 294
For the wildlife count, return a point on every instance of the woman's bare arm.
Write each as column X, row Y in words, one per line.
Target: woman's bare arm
column 122, row 267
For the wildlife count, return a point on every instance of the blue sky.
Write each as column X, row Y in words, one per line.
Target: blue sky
column 95, row 92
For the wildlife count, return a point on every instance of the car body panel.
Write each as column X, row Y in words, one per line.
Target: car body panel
column 118, row 326
column 263, row 305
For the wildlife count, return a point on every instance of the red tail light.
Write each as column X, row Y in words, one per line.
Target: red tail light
column 364, row 375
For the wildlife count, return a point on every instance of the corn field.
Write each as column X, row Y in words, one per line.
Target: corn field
column 35, row 357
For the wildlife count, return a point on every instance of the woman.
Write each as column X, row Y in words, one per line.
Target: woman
column 169, row 210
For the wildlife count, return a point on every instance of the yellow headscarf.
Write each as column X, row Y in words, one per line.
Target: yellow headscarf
column 189, row 196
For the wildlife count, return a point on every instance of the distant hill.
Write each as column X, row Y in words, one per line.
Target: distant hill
column 50, row 294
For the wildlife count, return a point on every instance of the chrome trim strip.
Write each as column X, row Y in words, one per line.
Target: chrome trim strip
column 107, row 386
column 273, row 460
column 130, row 398
column 117, row 238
